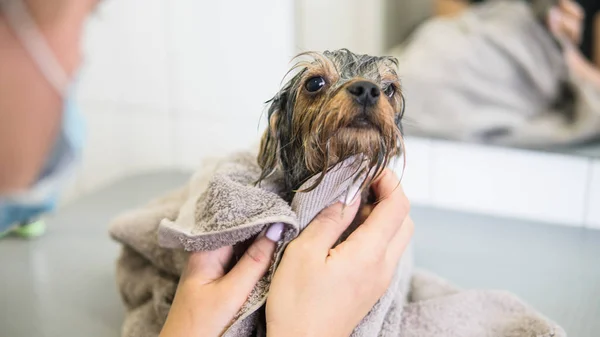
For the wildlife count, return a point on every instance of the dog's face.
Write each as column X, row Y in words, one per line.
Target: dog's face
column 339, row 104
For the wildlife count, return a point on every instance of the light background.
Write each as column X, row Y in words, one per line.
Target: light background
column 168, row 83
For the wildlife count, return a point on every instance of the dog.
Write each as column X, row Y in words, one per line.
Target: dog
column 337, row 105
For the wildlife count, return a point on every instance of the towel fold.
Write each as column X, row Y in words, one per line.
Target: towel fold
column 221, row 206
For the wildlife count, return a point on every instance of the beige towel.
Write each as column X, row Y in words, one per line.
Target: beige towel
column 221, row 206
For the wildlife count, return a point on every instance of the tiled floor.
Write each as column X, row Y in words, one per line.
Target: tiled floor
column 63, row 284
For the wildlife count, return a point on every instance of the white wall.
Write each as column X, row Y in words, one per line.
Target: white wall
column 333, row 24
column 363, row 26
column 166, row 83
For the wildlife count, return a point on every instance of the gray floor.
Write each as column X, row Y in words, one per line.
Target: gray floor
column 63, row 284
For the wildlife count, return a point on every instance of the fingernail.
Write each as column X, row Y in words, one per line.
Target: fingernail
column 275, row 232
column 351, row 196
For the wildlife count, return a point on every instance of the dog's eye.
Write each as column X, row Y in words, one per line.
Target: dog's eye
column 315, row 84
column 390, row 90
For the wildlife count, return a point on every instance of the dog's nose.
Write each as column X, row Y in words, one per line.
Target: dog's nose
column 364, row 92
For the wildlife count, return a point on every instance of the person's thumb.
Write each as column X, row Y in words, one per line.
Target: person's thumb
column 327, row 227
column 207, row 266
column 253, row 264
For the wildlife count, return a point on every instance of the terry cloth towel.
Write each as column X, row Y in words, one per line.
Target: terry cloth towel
column 221, row 206
column 494, row 75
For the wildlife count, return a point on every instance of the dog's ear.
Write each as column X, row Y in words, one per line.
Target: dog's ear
column 269, row 145
column 400, row 116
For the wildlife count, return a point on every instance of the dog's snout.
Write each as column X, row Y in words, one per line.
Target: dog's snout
column 364, row 92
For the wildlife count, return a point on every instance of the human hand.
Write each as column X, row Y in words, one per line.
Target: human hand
column 320, row 291
column 208, row 297
column 565, row 21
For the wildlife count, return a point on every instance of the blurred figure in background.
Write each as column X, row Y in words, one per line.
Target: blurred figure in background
column 577, row 22
column 40, row 129
column 505, row 72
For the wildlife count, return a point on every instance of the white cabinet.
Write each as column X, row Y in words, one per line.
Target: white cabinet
column 593, row 202
column 416, row 179
column 510, row 182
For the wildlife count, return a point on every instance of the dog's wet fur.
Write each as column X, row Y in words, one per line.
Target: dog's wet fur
column 337, row 104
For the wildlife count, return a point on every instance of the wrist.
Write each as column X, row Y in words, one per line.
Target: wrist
column 275, row 331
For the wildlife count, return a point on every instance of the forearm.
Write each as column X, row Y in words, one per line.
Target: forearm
column 30, row 108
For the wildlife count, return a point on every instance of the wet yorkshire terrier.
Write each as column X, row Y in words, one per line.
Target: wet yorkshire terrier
column 338, row 105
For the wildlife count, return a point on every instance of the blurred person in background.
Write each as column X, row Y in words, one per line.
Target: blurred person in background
column 505, row 72
column 40, row 131
column 576, row 21
column 41, row 135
